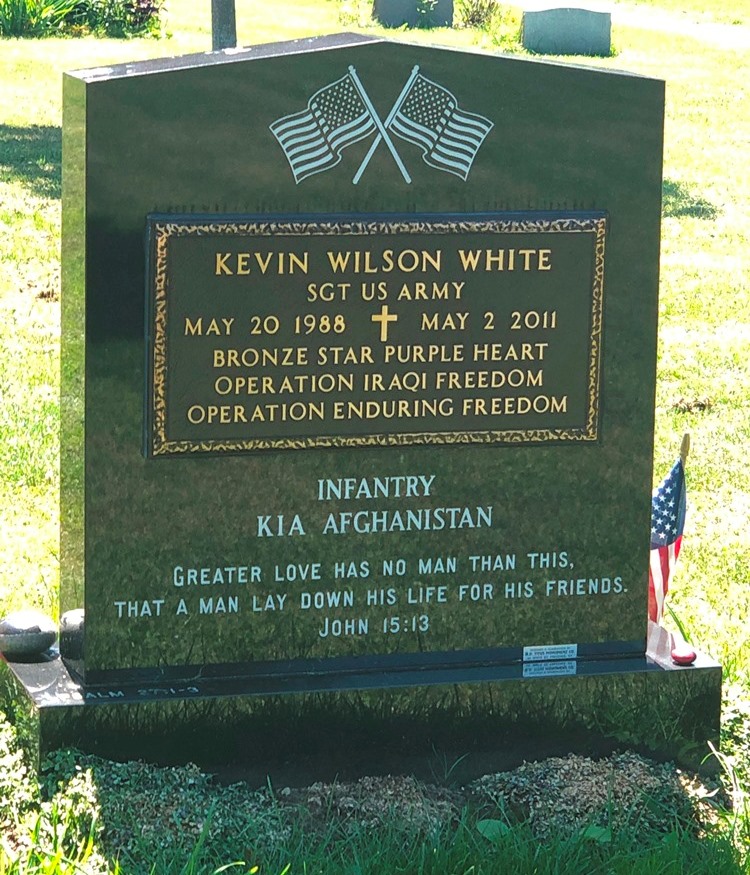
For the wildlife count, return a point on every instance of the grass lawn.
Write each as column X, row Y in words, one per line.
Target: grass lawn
column 703, row 387
column 736, row 12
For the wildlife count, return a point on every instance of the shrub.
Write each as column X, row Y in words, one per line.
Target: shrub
column 499, row 21
column 113, row 18
column 475, row 13
column 116, row 18
column 33, row 17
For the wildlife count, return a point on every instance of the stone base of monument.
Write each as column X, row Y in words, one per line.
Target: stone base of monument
column 308, row 727
column 559, row 30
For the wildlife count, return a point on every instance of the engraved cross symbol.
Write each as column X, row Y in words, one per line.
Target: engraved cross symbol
column 384, row 317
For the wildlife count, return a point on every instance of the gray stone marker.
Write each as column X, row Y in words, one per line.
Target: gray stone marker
column 567, row 31
column 25, row 633
column 414, row 13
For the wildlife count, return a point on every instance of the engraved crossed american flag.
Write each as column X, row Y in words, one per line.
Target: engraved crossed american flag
column 341, row 114
column 430, row 117
column 336, row 116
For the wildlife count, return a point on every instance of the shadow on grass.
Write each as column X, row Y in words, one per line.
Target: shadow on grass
column 33, row 156
column 679, row 200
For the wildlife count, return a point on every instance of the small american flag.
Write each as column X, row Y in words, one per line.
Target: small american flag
column 668, row 505
column 429, row 117
column 312, row 140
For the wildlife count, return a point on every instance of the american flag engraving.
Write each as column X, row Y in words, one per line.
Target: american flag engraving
column 312, row 140
column 449, row 137
column 341, row 114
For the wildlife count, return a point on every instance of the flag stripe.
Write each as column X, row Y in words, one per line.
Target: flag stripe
column 475, row 124
column 459, row 142
column 304, row 121
column 474, row 135
column 461, row 165
column 311, row 149
column 307, row 168
column 413, row 132
column 413, row 128
column 454, row 149
column 656, row 581
column 353, row 132
column 303, row 142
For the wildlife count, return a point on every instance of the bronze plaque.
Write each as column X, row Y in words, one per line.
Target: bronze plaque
column 336, row 331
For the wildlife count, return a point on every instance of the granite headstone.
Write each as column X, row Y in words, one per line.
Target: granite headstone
column 359, row 346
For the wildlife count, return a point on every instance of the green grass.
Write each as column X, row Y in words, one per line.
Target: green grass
column 735, row 12
column 703, row 387
column 102, row 817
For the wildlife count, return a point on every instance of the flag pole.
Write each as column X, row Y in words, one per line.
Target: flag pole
column 391, row 115
column 681, row 652
column 379, row 124
column 685, row 448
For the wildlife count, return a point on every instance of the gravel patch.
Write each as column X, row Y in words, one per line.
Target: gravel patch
column 563, row 795
column 138, row 810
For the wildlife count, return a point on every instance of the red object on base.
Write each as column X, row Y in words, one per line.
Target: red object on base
column 683, row 654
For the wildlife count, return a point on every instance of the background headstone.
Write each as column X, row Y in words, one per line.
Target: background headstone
column 567, row 31
column 414, row 13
